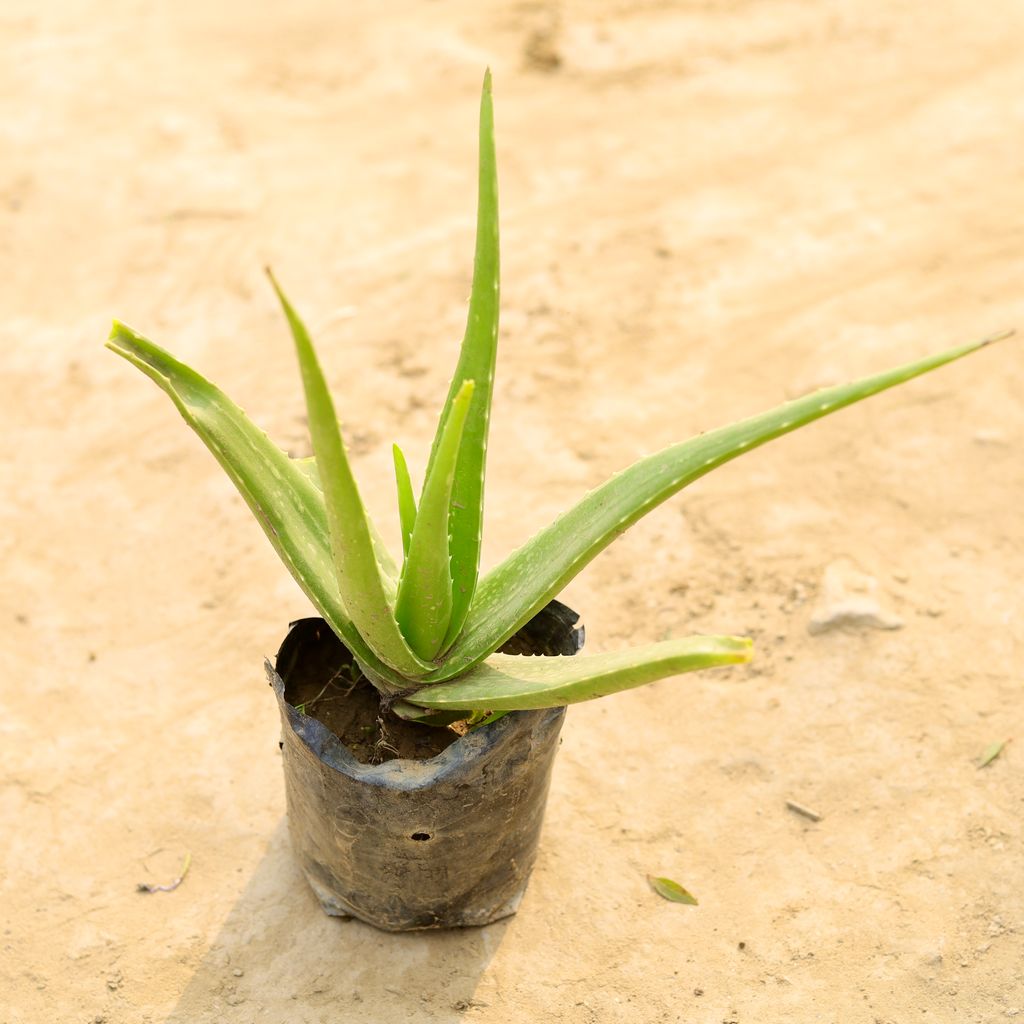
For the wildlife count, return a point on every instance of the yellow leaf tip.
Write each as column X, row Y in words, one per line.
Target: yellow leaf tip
column 118, row 330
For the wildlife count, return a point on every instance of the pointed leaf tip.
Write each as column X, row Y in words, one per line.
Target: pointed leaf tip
column 281, row 492
column 510, row 594
column 998, row 336
column 476, row 361
column 278, row 291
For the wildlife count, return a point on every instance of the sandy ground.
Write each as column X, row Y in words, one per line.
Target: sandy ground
column 707, row 207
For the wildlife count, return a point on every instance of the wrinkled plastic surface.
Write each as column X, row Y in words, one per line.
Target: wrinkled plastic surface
column 439, row 843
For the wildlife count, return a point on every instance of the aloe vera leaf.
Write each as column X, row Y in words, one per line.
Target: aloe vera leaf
column 406, row 498
column 359, row 577
column 280, row 492
column 476, row 363
column 515, row 590
column 511, row 682
column 386, row 563
column 424, row 603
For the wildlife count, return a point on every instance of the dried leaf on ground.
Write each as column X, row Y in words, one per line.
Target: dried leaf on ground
column 672, row 891
column 991, row 753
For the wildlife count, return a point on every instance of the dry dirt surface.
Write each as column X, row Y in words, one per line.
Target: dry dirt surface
column 707, row 207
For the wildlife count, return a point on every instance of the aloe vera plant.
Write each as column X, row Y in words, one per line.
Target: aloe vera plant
column 425, row 632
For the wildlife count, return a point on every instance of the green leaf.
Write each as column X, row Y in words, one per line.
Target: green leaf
column 991, row 753
column 519, row 587
column 512, row 682
column 406, row 498
column 388, row 569
column 476, row 363
column 424, row 604
column 362, row 588
column 279, row 490
column 671, row 891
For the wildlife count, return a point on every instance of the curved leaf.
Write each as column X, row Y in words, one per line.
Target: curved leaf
column 515, row 590
column 278, row 490
column 512, row 682
column 358, row 574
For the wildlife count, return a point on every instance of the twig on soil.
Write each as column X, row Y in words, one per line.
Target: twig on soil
column 301, row 708
column 382, row 744
column 171, row 886
column 804, row 812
